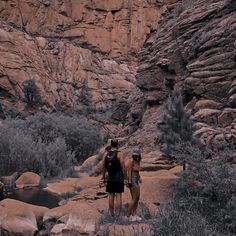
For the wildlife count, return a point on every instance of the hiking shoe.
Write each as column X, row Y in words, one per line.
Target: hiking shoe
column 132, row 218
column 138, row 218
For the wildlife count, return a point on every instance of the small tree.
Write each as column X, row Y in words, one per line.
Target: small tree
column 176, row 128
column 85, row 96
column 2, row 115
column 31, row 93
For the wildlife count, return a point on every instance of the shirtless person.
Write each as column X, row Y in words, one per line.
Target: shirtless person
column 113, row 164
column 133, row 183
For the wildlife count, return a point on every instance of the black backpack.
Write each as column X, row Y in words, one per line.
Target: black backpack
column 112, row 164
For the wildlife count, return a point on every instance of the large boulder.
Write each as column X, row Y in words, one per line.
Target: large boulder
column 79, row 217
column 154, row 161
column 28, row 179
column 18, row 218
column 67, row 185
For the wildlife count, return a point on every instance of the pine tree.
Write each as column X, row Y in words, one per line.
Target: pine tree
column 2, row 115
column 176, row 128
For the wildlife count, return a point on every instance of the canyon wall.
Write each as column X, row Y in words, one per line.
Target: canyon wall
column 121, row 58
column 195, row 51
column 81, row 53
column 114, row 28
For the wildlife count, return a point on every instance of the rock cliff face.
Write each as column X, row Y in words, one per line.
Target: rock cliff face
column 65, row 74
column 195, row 49
column 114, row 28
column 81, row 53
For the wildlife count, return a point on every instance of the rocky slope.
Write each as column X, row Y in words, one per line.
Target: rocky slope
column 21, row 219
column 195, row 49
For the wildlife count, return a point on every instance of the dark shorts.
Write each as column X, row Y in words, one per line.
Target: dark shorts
column 115, row 182
column 115, row 187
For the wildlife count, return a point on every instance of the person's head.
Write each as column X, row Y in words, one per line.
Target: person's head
column 136, row 155
column 114, row 143
column 108, row 147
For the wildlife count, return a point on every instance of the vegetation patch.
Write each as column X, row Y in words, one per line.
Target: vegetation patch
column 47, row 144
column 204, row 197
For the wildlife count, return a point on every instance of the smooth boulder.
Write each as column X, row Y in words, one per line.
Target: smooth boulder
column 28, row 179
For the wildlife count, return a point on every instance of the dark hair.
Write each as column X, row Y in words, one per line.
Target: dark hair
column 114, row 143
column 137, row 157
column 108, row 148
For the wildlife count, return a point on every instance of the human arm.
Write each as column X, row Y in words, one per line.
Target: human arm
column 103, row 179
column 140, row 179
column 122, row 164
column 130, row 169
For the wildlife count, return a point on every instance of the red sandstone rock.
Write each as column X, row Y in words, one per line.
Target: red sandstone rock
column 190, row 49
column 82, row 218
column 20, row 218
column 28, row 179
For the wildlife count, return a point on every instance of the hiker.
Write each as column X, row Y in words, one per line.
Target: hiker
column 134, row 180
column 113, row 164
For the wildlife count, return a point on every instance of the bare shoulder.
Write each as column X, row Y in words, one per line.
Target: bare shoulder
column 104, row 154
column 120, row 155
column 130, row 161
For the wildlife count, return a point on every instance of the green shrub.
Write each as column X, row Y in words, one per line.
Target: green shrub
column 19, row 152
column 204, row 197
column 176, row 129
column 209, row 187
column 2, row 115
column 46, row 144
column 81, row 137
column 13, row 113
column 173, row 222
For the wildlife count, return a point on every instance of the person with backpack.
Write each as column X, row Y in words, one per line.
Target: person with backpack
column 114, row 166
column 134, row 180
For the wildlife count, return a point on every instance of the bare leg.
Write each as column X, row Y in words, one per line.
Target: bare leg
column 137, row 196
column 118, row 203
column 111, row 198
column 135, row 192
